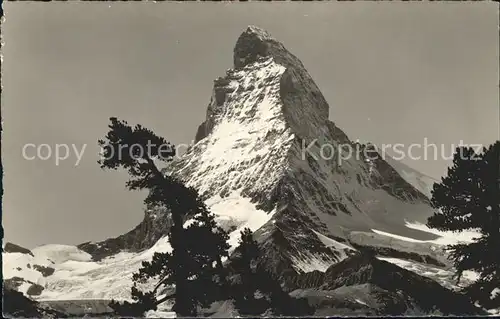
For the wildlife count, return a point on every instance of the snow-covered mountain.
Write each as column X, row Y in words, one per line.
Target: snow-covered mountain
column 262, row 159
column 266, row 137
column 424, row 183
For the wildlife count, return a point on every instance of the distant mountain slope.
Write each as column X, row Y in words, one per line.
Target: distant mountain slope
column 382, row 287
column 424, row 183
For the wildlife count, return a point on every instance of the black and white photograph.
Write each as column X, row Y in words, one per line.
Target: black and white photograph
column 250, row 159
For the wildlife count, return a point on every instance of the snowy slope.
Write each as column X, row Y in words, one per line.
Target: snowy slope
column 445, row 237
column 249, row 136
column 23, row 266
column 235, row 213
column 443, row 275
column 77, row 276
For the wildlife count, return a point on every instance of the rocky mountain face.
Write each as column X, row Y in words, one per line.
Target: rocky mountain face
column 155, row 225
column 13, row 248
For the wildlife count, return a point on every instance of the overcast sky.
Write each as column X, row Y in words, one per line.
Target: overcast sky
column 391, row 72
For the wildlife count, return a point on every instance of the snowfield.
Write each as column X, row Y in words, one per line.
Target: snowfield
column 445, row 237
column 76, row 276
column 245, row 216
column 442, row 276
column 22, row 266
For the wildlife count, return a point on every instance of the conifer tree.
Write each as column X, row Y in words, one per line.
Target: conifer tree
column 258, row 290
column 469, row 198
column 136, row 149
column 244, row 265
column 206, row 244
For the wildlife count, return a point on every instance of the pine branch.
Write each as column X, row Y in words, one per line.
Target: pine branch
column 162, row 300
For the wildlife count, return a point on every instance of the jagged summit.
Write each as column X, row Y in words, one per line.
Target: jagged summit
column 296, row 87
column 258, row 31
column 251, row 44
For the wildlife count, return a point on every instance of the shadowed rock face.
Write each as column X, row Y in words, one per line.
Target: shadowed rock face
column 384, row 287
column 15, row 282
column 16, row 305
column 13, row 248
column 79, row 308
column 155, row 225
column 45, row 271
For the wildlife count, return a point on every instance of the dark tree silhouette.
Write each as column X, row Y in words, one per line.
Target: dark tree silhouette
column 469, row 198
column 194, row 250
column 206, row 244
column 245, row 291
column 257, row 290
column 16, row 304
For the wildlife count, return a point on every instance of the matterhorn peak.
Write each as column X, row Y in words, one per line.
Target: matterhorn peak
column 254, row 42
column 259, row 161
column 258, row 32
column 262, row 144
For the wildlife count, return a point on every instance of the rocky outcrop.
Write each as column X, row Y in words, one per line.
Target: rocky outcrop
column 16, row 305
column 80, row 308
column 45, row 271
column 13, row 248
column 383, row 287
column 155, row 225
column 35, row 290
column 13, row 283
